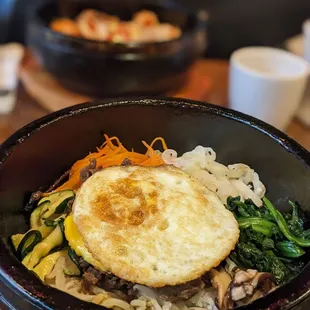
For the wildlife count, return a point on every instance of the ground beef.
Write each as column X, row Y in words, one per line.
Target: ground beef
column 126, row 162
column 110, row 283
column 32, row 203
column 83, row 264
column 89, row 170
column 90, row 277
column 124, row 289
column 69, row 206
column 183, row 291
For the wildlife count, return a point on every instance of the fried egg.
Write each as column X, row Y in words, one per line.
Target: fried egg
column 76, row 243
column 155, row 226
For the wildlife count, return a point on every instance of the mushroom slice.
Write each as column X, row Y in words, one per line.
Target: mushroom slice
column 237, row 293
column 248, row 300
column 264, row 281
column 248, row 285
column 220, row 280
column 242, row 276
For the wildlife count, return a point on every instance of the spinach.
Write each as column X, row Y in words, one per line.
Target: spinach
column 279, row 218
column 296, row 220
column 269, row 240
column 264, row 261
column 295, row 266
column 243, row 209
column 289, row 249
column 280, row 271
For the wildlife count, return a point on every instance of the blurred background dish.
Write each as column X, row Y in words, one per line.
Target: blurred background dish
column 231, row 24
column 144, row 26
column 100, row 68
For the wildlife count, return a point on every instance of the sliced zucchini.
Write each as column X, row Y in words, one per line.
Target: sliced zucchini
column 44, row 230
column 50, row 223
column 47, row 264
column 55, row 222
column 71, row 269
column 74, row 270
column 73, row 256
column 30, row 240
column 35, row 220
column 53, row 240
column 56, row 203
column 16, row 239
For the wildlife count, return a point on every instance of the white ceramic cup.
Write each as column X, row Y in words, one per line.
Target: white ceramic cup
column 267, row 83
column 10, row 57
column 306, row 35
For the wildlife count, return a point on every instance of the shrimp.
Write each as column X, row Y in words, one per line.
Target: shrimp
column 95, row 25
column 145, row 18
column 66, row 26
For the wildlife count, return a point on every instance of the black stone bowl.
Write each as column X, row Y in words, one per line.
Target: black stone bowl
column 40, row 152
column 108, row 69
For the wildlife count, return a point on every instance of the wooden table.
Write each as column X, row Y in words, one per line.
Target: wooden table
column 27, row 109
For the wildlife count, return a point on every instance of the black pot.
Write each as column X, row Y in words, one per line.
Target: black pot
column 40, row 152
column 108, row 69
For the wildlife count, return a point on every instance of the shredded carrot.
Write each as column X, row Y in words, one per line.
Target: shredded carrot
column 162, row 140
column 113, row 153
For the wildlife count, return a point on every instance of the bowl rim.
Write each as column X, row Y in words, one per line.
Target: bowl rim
column 31, row 294
column 201, row 17
column 280, row 137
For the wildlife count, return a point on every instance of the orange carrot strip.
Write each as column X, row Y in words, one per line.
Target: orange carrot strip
column 111, row 153
column 162, row 140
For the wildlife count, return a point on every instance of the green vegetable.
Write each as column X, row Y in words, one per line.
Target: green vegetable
column 57, row 221
column 283, row 225
column 62, row 225
column 268, row 244
column 74, row 257
column 245, row 209
column 30, row 240
column 294, row 265
column 47, row 264
column 262, row 229
column 248, row 252
column 35, row 220
column 71, row 269
column 268, row 239
column 306, row 234
column 259, row 239
column 56, row 238
column 275, row 266
column 260, row 224
column 16, row 239
column 55, row 203
column 75, row 269
column 44, row 231
column 50, row 223
column 236, row 259
column 296, row 220
column 264, row 261
column 289, row 249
